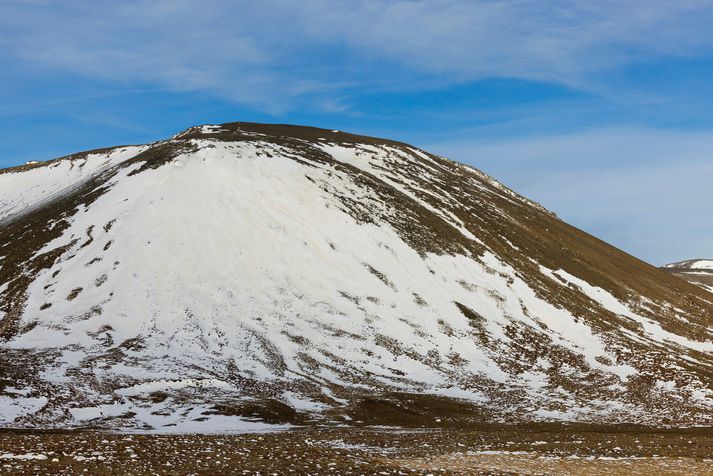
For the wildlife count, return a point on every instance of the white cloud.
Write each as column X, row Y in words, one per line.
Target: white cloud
column 562, row 41
column 268, row 53
column 646, row 191
column 177, row 45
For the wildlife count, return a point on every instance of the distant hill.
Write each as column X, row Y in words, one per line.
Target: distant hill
column 697, row 271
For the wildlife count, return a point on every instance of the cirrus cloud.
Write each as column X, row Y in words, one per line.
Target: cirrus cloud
column 268, row 54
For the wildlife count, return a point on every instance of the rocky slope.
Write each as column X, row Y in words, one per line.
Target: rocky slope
column 244, row 274
column 697, row 271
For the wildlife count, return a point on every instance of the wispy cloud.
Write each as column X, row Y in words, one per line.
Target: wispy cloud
column 269, row 53
column 562, row 41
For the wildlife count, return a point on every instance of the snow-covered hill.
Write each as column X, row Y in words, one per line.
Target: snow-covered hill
column 693, row 264
column 697, row 271
column 246, row 272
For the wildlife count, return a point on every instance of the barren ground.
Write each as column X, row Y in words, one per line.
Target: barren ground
column 533, row 449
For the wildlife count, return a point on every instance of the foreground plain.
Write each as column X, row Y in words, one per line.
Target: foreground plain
column 531, row 449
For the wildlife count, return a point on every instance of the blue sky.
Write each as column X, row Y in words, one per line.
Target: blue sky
column 602, row 111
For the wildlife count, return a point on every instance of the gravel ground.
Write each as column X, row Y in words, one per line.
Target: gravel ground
column 354, row 451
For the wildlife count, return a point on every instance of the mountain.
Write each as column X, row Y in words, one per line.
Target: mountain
column 245, row 274
column 697, row 271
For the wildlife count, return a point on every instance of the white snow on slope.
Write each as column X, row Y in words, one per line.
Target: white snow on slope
column 160, row 418
column 652, row 329
column 698, row 264
column 12, row 408
column 703, row 264
column 254, row 277
column 368, row 158
column 21, row 190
